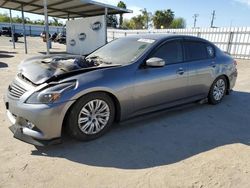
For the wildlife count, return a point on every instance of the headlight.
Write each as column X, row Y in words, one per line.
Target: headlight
column 50, row 94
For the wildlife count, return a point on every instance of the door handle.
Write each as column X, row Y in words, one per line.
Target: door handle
column 180, row 71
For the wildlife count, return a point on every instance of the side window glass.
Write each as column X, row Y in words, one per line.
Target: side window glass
column 171, row 52
column 197, row 50
column 210, row 51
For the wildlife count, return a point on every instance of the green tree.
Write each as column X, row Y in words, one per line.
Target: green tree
column 127, row 24
column 38, row 22
column 163, row 18
column 112, row 21
column 137, row 22
column 4, row 18
column 18, row 20
column 55, row 22
column 121, row 4
column 178, row 23
column 146, row 18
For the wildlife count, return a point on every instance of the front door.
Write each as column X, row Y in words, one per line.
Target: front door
column 162, row 85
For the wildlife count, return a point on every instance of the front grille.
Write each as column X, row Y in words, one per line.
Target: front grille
column 16, row 90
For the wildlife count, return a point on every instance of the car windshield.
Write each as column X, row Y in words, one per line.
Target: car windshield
column 121, row 51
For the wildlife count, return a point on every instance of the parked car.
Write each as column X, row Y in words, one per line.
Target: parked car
column 125, row 78
column 43, row 36
column 61, row 38
column 6, row 31
column 16, row 36
column 53, row 37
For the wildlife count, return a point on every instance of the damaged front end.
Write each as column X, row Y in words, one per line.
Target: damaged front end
column 42, row 89
column 40, row 69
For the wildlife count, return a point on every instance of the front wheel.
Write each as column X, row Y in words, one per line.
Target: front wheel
column 217, row 90
column 91, row 116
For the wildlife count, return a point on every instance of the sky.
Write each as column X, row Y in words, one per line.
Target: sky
column 228, row 12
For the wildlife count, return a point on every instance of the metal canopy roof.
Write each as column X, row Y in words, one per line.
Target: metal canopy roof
column 63, row 8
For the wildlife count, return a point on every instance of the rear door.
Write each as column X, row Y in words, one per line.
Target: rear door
column 200, row 57
column 162, row 85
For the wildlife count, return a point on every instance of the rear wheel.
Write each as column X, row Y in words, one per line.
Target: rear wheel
column 217, row 90
column 91, row 116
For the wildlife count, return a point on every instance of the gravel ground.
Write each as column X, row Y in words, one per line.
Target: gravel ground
column 192, row 146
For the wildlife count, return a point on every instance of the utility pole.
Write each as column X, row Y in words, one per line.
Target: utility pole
column 231, row 23
column 195, row 19
column 213, row 18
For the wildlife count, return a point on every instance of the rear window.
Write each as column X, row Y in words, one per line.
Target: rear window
column 198, row 50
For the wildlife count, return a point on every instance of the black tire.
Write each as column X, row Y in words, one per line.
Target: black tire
column 211, row 98
column 72, row 118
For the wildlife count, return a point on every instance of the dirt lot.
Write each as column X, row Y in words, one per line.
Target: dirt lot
column 193, row 146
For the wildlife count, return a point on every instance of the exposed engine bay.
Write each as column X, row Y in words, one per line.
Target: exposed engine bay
column 69, row 63
column 41, row 69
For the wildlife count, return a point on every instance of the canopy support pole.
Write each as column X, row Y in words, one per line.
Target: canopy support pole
column 46, row 24
column 24, row 34
column 12, row 31
column 106, row 25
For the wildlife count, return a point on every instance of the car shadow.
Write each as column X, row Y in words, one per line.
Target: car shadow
column 6, row 56
column 20, row 42
column 7, row 52
column 164, row 137
column 3, row 65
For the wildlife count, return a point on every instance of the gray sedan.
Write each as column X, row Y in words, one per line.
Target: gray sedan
column 125, row 78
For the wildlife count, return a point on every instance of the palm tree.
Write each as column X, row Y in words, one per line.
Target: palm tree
column 121, row 4
column 163, row 18
column 55, row 22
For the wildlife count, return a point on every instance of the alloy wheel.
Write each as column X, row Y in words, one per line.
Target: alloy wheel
column 219, row 89
column 94, row 116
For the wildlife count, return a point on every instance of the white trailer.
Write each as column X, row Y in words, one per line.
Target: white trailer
column 85, row 35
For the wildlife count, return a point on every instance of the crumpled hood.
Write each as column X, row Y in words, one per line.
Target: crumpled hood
column 41, row 68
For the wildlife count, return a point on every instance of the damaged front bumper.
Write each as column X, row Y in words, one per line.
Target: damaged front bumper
column 20, row 134
column 36, row 124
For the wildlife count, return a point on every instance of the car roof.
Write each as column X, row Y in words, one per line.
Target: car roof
column 160, row 37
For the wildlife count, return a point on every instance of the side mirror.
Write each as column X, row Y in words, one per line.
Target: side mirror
column 155, row 62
